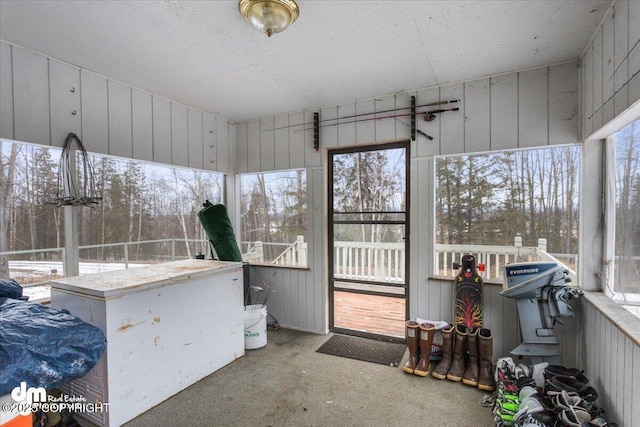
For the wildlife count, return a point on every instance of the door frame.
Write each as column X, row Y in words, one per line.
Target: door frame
column 406, row 144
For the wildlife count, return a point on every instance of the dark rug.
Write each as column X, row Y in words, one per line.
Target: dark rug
column 382, row 352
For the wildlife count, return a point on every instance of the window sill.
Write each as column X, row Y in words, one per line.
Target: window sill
column 493, row 282
column 286, row 267
column 623, row 319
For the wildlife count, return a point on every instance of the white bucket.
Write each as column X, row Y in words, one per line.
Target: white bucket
column 255, row 326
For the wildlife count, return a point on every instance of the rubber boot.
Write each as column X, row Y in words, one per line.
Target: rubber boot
column 470, row 376
column 486, row 381
column 411, row 333
column 427, row 331
column 459, row 347
column 440, row 371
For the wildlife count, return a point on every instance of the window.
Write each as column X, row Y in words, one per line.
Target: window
column 148, row 213
column 624, row 286
column 273, row 209
column 507, row 207
column 153, row 206
column 31, row 227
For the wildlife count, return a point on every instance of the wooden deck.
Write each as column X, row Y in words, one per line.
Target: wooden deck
column 369, row 313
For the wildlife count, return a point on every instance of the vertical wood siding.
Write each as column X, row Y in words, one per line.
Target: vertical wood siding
column 610, row 67
column 31, row 108
column 179, row 135
column 196, row 139
column 142, row 125
column 120, row 123
column 210, row 140
column 609, row 84
column 42, row 100
column 161, row 130
column 611, row 359
column 532, row 108
column 95, row 113
column 65, row 108
column 6, row 91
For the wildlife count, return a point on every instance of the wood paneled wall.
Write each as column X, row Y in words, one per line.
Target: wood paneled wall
column 532, row 108
column 610, row 67
column 42, row 100
column 610, row 358
column 607, row 339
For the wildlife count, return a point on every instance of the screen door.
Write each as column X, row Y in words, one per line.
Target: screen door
column 368, row 237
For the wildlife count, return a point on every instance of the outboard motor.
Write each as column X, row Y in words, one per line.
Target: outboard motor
column 542, row 294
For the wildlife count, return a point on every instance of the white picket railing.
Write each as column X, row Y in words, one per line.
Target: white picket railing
column 384, row 262
column 494, row 258
column 254, row 253
column 380, row 262
column 37, row 266
column 295, row 254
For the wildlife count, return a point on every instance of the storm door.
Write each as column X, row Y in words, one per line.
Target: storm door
column 368, row 237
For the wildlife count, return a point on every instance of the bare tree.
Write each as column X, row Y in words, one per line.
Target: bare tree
column 7, row 174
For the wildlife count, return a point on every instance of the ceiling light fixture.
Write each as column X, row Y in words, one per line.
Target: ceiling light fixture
column 269, row 16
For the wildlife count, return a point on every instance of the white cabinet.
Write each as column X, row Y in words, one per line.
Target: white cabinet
column 167, row 326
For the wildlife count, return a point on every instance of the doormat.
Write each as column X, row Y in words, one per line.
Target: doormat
column 368, row 350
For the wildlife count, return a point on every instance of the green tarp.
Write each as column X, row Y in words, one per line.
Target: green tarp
column 215, row 221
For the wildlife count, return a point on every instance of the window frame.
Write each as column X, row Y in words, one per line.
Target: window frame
column 609, row 176
column 240, row 231
column 541, row 244
column 75, row 231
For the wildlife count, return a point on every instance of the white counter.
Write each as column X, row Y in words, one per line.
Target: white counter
column 167, row 326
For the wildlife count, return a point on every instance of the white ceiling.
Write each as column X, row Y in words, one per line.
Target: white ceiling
column 203, row 54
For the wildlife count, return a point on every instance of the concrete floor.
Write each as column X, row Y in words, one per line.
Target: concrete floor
column 287, row 383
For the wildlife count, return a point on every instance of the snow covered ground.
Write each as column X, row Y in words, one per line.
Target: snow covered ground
column 25, row 272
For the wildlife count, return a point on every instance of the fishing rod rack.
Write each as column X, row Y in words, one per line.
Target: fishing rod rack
column 429, row 116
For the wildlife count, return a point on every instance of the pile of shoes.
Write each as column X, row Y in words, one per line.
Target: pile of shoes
column 544, row 395
column 466, row 354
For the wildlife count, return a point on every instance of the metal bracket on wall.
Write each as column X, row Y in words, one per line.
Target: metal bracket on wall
column 413, row 118
column 429, row 137
column 316, row 131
